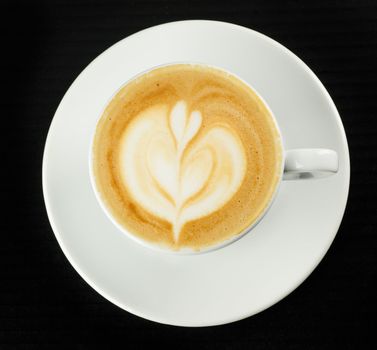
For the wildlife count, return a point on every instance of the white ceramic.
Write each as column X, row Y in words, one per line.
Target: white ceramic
column 245, row 277
column 297, row 164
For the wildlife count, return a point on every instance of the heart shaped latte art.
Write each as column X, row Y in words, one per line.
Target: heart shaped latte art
column 175, row 172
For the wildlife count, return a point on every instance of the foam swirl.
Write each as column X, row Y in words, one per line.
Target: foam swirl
column 177, row 171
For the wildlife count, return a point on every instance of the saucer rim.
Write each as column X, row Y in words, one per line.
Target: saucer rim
column 271, row 302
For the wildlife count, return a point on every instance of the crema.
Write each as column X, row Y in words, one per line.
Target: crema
column 186, row 156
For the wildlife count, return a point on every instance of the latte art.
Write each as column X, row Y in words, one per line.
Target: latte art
column 186, row 156
column 175, row 173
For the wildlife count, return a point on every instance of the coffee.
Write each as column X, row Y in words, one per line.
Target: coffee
column 186, row 156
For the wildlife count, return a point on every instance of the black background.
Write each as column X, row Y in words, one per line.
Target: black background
column 45, row 45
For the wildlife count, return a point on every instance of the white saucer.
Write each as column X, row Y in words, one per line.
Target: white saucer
column 254, row 272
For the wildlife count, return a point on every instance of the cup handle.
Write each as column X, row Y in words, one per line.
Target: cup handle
column 309, row 163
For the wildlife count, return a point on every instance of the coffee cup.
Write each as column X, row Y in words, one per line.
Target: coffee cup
column 188, row 158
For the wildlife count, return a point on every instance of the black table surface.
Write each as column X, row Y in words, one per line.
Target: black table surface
column 44, row 300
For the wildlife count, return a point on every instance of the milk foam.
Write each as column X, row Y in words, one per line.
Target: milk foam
column 186, row 156
column 174, row 171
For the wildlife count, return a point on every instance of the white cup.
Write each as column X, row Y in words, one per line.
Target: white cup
column 297, row 164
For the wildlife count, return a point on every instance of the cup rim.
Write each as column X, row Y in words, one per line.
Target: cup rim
column 185, row 251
